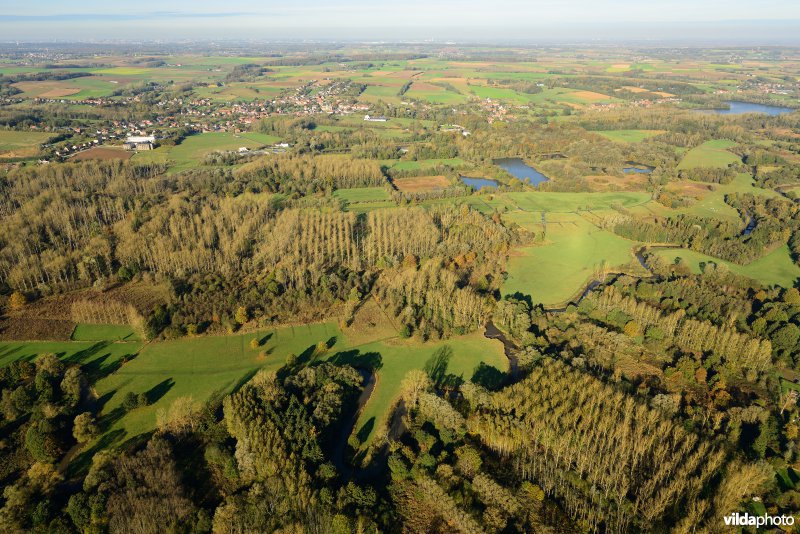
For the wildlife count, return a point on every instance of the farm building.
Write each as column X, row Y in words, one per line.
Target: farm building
column 378, row 118
column 140, row 143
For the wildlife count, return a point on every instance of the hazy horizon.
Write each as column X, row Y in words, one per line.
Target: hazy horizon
column 771, row 22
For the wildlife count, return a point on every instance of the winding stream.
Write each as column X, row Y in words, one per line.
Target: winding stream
column 370, row 379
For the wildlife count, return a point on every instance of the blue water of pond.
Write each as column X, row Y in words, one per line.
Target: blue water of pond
column 478, row 183
column 737, row 108
column 521, row 170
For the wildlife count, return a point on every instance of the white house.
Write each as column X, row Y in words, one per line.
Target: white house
column 140, row 142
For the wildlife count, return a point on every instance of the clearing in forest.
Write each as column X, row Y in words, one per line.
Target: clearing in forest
column 776, row 267
column 710, row 154
column 573, row 252
column 629, row 136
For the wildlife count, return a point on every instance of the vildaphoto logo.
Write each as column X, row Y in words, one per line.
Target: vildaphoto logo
column 748, row 520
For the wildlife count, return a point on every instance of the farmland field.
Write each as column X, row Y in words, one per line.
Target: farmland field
column 193, row 149
column 568, row 202
column 17, row 144
column 421, row 183
column 103, row 153
column 427, row 163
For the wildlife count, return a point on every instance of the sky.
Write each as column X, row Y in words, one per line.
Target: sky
column 748, row 21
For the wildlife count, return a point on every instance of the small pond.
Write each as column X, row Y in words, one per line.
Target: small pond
column 636, row 170
column 478, row 183
column 521, row 170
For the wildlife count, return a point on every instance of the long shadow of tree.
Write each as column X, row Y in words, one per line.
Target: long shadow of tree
column 155, row 393
column 365, row 430
column 80, row 464
column 487, row 376
column 372, row 361
column 436, row 366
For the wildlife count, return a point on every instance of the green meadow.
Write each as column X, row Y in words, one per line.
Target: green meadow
column 713, row 203
column 710, row 154
column 567, row 202
column 205, row 366
column 192, row 150
column 574, row 250
column 104, row 332
column 362, row 194
column 628, row 136
column 471, row 354
column 15, row 141
column 776, row 267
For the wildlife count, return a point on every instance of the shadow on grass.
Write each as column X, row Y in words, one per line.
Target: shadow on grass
column 365, row 430
column 155, row 393
column 106, row 421
column 436, row 366
column 372, row 361
column 88, row 352
column 80, row 464
column 242, row 381
column 487, row 376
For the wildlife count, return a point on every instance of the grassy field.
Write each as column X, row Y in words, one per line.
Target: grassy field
column 710, row 154
column 776, row 267
column 712, row 204
column 567, row 202
column 16, row 144
column 362, row 194
column 554, row 272
column 202, row 367
column 398, row 357
column 104, row 332
column 364, row 199
column 98, row 358
column 193, row 149
column 427, row 164
column 629, row 136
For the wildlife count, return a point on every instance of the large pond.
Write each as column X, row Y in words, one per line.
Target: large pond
column 737, row 108
column 478, row 183
column 519, row 169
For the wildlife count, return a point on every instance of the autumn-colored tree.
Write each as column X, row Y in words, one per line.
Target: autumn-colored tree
column 632, row 329
column 17, row 300
column 242, row 316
